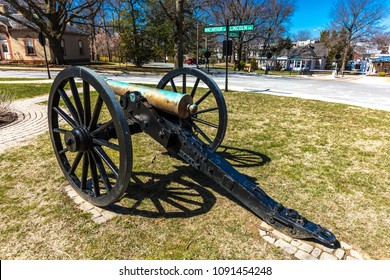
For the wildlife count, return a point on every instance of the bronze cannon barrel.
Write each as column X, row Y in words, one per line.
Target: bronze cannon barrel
column 171, row 102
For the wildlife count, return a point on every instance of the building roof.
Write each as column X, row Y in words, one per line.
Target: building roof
column 13, row 25
column 316, row 50
column 382, row 59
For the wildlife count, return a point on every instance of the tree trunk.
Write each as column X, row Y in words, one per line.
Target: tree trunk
column 93, row 39
column 344, row 59
column 56, row 51
column 178, row 43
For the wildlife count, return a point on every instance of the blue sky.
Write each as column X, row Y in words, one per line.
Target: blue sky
column 314, row 15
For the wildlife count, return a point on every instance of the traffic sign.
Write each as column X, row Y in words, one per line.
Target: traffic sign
column 227, row 47
column 244, row 27
column 41, row 39
column 234, row 34
column 212, row 29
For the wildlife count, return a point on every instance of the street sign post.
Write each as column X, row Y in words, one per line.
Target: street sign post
column 231, row 31
column 232, row 28
column 42, row 41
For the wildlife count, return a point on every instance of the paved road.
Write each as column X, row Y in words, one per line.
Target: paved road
column 369, row 92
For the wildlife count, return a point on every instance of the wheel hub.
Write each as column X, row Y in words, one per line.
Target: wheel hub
column 78, row 140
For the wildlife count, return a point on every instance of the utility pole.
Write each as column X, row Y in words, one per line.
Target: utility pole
column 197, row 44
column 226, row 55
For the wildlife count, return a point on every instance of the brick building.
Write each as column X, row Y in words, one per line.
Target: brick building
column 20, row 44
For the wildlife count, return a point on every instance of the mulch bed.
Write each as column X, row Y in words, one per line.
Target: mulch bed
column 7, row 118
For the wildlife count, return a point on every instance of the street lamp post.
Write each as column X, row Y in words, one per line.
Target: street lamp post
column 267, row 51
column 288, row 59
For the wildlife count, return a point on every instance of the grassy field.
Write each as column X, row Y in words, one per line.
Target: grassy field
column 328, row 161
column 20, row 91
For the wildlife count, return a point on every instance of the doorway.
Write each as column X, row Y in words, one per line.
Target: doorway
column 4, row 48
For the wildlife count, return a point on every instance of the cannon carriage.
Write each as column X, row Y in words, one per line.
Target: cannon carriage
column 91, row 136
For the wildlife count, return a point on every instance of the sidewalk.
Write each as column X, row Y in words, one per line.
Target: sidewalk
column 28, row 82
column 32, row 121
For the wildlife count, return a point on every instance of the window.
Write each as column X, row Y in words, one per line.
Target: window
column 63, row 47
column 4, row 46
column 81, row 47
column 30, row 50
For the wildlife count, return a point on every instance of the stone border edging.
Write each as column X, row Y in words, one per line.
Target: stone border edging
column 306, row 250
column 299, row 249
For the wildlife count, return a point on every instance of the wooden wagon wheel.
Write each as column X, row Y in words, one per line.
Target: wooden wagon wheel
column 210, row 121
column 90, row 136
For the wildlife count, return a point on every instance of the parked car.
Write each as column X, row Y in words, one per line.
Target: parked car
column 190, row 61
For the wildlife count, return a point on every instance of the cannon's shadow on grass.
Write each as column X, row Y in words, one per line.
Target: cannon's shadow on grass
column 242, row 157
column 183, row 193
column 173, row 195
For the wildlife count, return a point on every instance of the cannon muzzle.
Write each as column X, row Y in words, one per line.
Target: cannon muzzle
column 175, row 103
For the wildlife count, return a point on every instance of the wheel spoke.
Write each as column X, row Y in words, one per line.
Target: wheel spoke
column 102, row 154
column 106, row 143
column 195, row 87
column 102, row 128
column 205, row 122
column 102, row 171
column 65, row 116
column 173, row 85
column 69, row 105
column 95, row 177
column 197, row 128
column 206, row 110
column 96, row 113
column 60, row 131
column 87, row 103
column 63, row 151
column 84, row 172
column 203, row 97
column 75, row 163
column 184, row 83
column 76, row 97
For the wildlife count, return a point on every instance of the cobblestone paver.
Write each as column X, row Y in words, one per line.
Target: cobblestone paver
column 306, row 250
column 32, row 121
column 299, row 249
column 98, row 215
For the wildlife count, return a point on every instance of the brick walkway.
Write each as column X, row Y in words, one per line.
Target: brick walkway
column 32, row 121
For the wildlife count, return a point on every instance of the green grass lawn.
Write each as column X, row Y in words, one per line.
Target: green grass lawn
column 20, row 91
column 328, row 161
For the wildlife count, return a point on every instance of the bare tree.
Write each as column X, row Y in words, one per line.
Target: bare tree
column 268, row 16
column 52, row 17
column 303, row 35
column 180, row 13
column 359, row 19
column 382, row 41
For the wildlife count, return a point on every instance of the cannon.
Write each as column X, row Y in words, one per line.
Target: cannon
column 91, row 127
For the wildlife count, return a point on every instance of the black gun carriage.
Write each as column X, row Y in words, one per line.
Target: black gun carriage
column 91, row 137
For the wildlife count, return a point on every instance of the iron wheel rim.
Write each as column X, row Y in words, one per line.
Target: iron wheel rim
column 103, row 167
column 196, row 123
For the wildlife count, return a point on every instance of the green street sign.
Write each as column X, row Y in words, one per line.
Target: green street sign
column 245, row 27
column 234, row 34
column 212, row 29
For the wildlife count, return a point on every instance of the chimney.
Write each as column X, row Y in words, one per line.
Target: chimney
column 3, row 9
